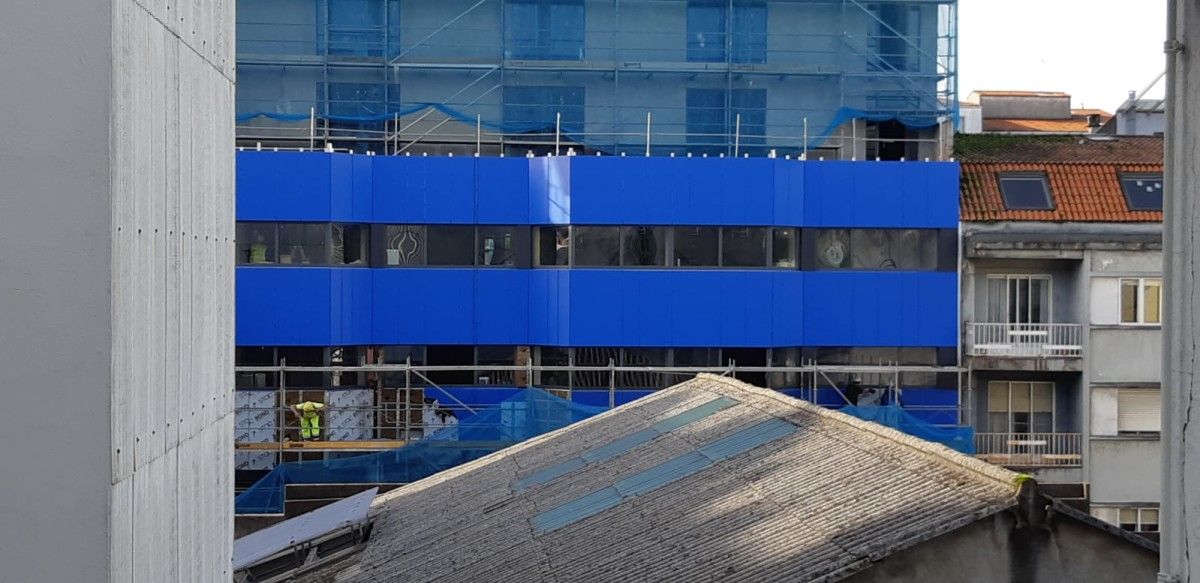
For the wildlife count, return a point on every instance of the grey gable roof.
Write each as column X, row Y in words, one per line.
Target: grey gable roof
column 679, row 486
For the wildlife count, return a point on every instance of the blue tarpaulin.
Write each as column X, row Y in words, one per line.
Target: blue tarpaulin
column 961, row 439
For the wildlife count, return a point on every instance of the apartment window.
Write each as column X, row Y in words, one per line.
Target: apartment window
column 706, row 31
column 714, row 116
column 1139, row 411
column 552, row 246
column 697, row 247
column 1141, row 300
column 1020, row 407
column 784, row 248
column 644, row 246
column 1138, row 519
column 256, row 243
column 1018, row 299
column 544, row 29
column 361, row 102
column 743, row 247
column 404, row 245
column 356, row 27
column 450, row 245
column 304, row 243
column 1143, row 192
column 596, row 246
column 350, row 244
column 1025, row 191
column 532, row 108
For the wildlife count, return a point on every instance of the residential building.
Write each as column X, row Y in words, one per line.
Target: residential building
column 838, row 77
column 1028, row 112
column 1062, row 309
column 117, row 230
column 714, row 477
column 1138, row 117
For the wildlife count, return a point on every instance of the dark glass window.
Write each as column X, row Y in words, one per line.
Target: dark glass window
column 697, row 246
column 644, row 246
column 350, row 243
column 906, row 249
column 832, row 248
column 1025, row 192
column 256, row 243
column 706, row 31
column 643, row 357
column 749, row 42
column 554, row 356
column 595, row 357
column 304, row 243
column 452, row 245
column 784, row 248
column 461, row 356
column 302, row 356
column 496, row 356
column 693, row 357
column 784, row 357
column 498, row 246
column 596, row 246
column 743, row 247
column 255, row 356
column 404, row 245
column 401, row 355
column 1143, row 192
column 552, row 246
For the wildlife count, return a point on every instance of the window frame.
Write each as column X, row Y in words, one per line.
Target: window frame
column 1126, row 177
column 1009, row 412
column 1140, row 306
column 1139, row 432
column 1139, row 521
column 1039, row 176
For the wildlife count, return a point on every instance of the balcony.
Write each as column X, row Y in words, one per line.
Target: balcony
column 1025, row 340
column 1029, row 450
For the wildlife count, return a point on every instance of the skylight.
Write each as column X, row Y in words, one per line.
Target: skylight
column 1143, row 192
column 1026, row 192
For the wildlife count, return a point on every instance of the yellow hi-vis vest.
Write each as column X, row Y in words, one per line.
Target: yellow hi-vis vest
column 309, row 408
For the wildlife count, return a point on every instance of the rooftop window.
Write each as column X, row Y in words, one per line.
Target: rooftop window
column 1143, row 192
column 1026, row 192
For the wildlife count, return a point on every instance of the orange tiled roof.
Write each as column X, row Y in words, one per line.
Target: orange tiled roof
column 1077, row 124
column 1084, row 176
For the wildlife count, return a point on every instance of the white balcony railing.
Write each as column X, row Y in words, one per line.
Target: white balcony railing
column 1028, row 450
column 1025, row 340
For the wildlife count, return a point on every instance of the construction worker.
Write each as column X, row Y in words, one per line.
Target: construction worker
column 258, row 249
column 308, row 413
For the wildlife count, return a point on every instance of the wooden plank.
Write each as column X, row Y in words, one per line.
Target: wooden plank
column 369, row 445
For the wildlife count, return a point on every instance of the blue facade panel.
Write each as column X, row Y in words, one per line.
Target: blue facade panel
column 595, row 307
column 888, row 195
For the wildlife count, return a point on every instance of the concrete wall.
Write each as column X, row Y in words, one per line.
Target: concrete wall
column 117, row 230
column 54, row 278
column 1125, row 355
column 1126, row 471
column 993, row 550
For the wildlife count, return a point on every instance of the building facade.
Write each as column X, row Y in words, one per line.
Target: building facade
column 701, row 76
column 118, row 329
column 1062, row 298
column 598, row 261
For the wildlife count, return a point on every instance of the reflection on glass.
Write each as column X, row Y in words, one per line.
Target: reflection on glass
column 596, row 246
column 697, row 247
column 256, row 243
column 303, row 244
column 644, row 246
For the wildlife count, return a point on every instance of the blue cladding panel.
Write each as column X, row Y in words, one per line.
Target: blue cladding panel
column 424, row 190
column 851, row 308
column 266, row 179
column 502, row 192
column 596, row 307
column 889, row 194
column 284, row 306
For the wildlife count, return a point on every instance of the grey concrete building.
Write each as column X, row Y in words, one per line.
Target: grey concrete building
column 1062, row 312
column 116, row 269
column 716, row 479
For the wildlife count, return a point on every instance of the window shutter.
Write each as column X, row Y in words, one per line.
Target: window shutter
column 1138, row 410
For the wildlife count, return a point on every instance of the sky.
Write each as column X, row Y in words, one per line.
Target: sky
column 1095, row 50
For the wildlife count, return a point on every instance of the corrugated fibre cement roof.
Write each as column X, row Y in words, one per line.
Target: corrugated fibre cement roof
column 710, row 478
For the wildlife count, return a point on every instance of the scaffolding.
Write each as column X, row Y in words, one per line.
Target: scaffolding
column 368, row 410
column 650, row 77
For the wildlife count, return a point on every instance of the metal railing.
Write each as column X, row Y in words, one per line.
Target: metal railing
column 1025, row 340
column 1029, row 450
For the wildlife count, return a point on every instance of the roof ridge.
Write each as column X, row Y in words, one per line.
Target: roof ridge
column 934, row 450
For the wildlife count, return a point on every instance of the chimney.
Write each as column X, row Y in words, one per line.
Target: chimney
column 1093, row 122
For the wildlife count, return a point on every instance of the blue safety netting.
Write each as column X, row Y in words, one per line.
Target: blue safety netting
column 526, row 414
column 961, row 439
